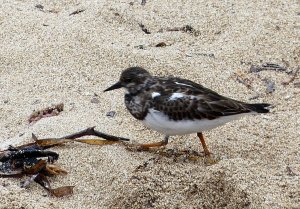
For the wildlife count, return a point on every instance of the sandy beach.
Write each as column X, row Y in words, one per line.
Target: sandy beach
column 70, row 51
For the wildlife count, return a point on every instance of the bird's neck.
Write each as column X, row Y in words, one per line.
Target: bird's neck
column 137, row 89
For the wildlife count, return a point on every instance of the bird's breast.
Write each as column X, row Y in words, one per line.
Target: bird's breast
column 136, row 106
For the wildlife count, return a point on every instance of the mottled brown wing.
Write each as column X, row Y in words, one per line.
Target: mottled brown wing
column 173, row 84
column 198, row 102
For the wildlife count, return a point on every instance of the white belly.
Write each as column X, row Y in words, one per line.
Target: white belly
column 161, row 123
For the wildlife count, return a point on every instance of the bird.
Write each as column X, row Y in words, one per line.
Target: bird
column 177, row 106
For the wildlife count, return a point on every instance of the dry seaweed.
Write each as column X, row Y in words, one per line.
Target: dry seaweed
column 30, row 159
column 58, row 192
column 26, row 161
column 54, row 110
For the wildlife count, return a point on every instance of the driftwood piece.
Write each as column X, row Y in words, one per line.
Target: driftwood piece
column 92, row 132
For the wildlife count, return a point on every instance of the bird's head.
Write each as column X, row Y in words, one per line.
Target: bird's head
column 133, row 79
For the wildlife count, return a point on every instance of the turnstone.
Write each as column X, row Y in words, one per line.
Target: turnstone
column 176, row 106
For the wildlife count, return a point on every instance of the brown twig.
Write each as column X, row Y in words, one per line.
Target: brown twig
column 92, row 132
column 42, row 144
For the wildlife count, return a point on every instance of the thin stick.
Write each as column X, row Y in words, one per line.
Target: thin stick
column 92, row 132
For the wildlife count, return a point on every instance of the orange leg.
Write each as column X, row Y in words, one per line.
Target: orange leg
column 156, row 144
column 201, row 137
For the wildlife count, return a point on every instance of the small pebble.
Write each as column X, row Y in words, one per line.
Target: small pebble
column 111, row 114
column 39, row 6
column 161, row 44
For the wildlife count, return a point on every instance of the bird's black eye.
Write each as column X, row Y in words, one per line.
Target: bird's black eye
column 127, row 80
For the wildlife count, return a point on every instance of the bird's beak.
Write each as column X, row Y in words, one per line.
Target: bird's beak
column 115, row 86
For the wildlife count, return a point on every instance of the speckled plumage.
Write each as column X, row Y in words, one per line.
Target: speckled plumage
column 176, row 106
column 197, row 102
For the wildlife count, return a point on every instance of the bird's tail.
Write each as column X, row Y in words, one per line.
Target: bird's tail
column 259, row 107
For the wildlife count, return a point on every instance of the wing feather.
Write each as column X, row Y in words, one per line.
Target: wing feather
column 196, row 102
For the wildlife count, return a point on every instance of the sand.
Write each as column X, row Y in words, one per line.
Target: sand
column 48, row 56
